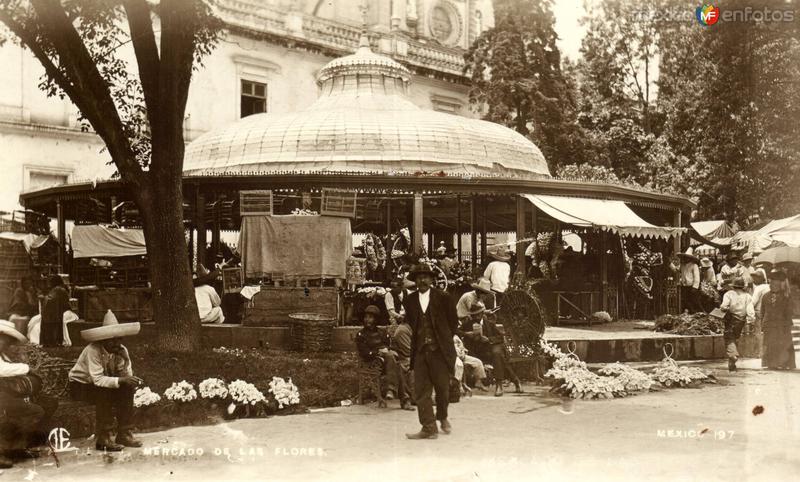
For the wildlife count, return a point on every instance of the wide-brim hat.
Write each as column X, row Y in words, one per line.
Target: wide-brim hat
column 111, row 329
column 689, row 255
column 499, row 255
column 484, row 285
column 419, row 269
column 477, row 308
column 738, row 283
column 706, row 263
column 777, row 274
column 731, row 257
column 203, row 275
column 8, row 328
column 747, row 256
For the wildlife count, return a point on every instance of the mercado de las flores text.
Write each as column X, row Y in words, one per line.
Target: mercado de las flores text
column 393, row 275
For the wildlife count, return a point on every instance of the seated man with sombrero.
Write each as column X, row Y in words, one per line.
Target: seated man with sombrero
column 24, row 415
column 481, row 291
column 103, row 376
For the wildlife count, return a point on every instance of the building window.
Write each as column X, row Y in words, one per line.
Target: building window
column 41, row 177
column 254, row 98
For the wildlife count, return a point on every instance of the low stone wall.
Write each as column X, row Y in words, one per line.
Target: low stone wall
column 592, row 351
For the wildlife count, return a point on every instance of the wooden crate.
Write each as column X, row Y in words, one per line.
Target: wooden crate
column 338, row 202
column 255, row 203
column 272, row 306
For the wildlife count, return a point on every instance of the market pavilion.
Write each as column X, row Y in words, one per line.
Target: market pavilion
column 440, row 175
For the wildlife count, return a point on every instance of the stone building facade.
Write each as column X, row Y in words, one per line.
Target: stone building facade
column 267, row 61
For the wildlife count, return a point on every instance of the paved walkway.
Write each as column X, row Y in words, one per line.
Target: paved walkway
column 607, row 331
column 684, row 434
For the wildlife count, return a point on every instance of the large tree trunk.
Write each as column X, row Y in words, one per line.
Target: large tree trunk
column 174, row 305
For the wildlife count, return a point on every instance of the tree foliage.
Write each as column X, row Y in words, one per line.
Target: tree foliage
column 137, row 108
column 517, row 79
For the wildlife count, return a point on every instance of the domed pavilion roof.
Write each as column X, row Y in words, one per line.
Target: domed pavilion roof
column 363, row 121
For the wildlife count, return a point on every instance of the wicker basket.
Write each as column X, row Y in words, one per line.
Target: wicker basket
column 311, row 332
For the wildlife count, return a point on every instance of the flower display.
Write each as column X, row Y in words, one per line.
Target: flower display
column 285, row 392
column 144, row 397
column 573, row 378
column 669, row 374
column 372, row 291
column 245, row 393
column 213, row 388
column 304, row 212
column 182, row 391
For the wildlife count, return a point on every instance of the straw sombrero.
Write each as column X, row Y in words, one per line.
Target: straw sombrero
column 689, row 255
column 8, row 328
column 483, row 285
column 111, row 329
column 499, row 254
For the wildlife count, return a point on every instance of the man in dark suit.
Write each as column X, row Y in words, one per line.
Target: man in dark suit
column 432, row 316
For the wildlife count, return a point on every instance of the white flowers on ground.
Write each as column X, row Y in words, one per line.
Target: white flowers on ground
column 285, row 392
column 669, row 374
column 213, row 388
column 144, row 397
column 242, row 392
column 182, row 391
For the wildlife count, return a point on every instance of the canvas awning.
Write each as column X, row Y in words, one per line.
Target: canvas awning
column 95, row 241
column 602, row 214
column 30, row 241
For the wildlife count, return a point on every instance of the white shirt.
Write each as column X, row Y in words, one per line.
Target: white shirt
column 424, row 300
column 758, row 294
column 207, row 298
column 739, row 304
column 388, row 300
column 499, row 273
column 690, row 275
column 9, row 369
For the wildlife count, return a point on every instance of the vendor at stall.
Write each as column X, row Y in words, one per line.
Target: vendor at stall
column 373, row 346
column 55, row 304
column 209, row 304
column 481, row 291
column 23, row 422
column 393, row 299
column 498, row 272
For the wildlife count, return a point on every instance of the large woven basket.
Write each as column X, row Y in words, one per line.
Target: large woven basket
column 311, row 332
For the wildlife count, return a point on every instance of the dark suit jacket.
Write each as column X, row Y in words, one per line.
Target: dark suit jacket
column 442, row 310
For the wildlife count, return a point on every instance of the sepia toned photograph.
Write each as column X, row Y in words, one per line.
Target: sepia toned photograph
column 399, row 240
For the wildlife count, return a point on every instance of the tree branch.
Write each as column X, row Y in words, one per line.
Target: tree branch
column 146, row 50
column 90, row 91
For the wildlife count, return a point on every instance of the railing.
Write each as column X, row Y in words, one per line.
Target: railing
column 335, row 35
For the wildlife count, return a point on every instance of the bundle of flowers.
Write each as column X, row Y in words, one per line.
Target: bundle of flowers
column 304, row 212
column 237, row 352
column 686, row 324
column 631, row 379
column 182, row 391
column 144, row 397
column 372, row 291
column 669, row 374
column 213, row 388
column 245, row 393
column 285, row 392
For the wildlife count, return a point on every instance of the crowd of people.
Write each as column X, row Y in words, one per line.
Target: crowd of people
column 748, row 299
column 435, row 343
